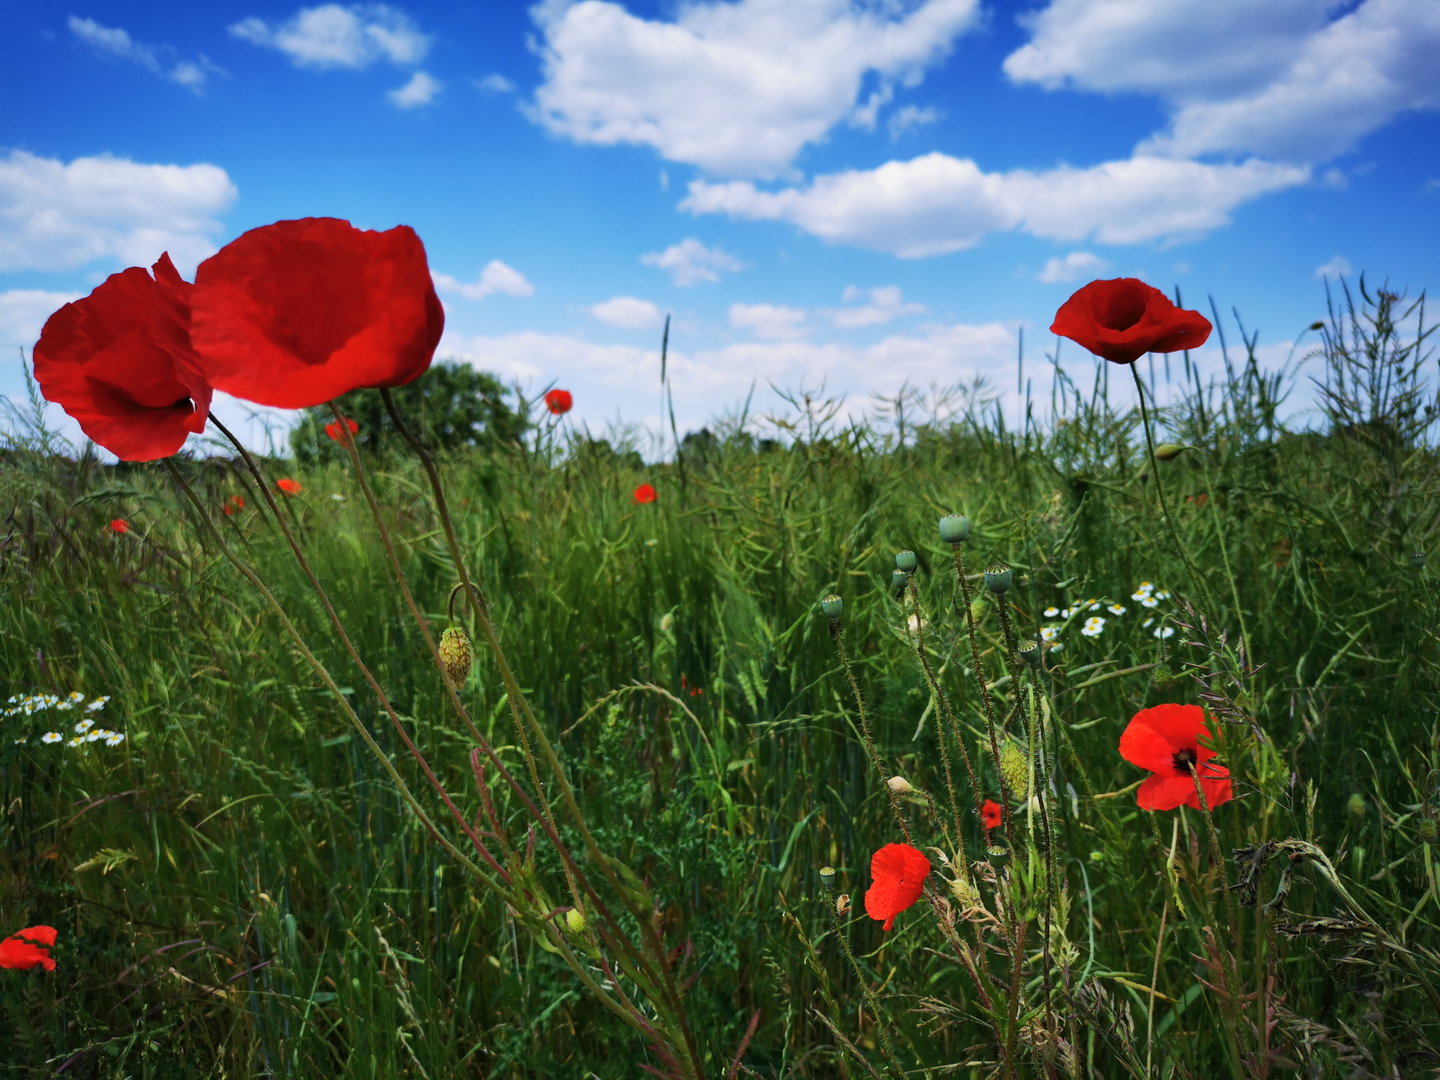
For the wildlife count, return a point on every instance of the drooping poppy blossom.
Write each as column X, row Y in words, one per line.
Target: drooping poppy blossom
column 299, row 312
column 1122, row 319
column 28, row 948
column 234, row 504
column 333, row 428
column 1166, row 740
column 645, row 493
column 118, row 526
column 559, row 401
column 990, row 815
column 897, row 873
column 121, row 363
column 290, row 487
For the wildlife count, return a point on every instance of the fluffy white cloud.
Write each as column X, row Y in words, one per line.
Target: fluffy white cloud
column 495, row 84
column 55, row 216
column 908, row 117
column 335, row 36
column 934, row 204
column 627, row 312
column 737, row 88
column 158, row 59
column 1286, row 79
column 420, row 90
column 881, row 305
column 495, row 278
column 1339, row 266
column 690, row 262
column 1076, row 265
column 22, row 315
column 775, row 322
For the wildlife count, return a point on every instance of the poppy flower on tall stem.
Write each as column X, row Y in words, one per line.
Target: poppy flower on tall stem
column 333, row 428
column 1166, row 740
column 290, row 487
column 299, row 312
column 990, row 815
column 897, row 873
column 1123, row 319
column 121, row 363
column 645, row 493
column 28, row 948
column 118, row 526
column 559, row 402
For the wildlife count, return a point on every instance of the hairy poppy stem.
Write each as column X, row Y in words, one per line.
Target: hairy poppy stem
column 891, row 1061
column 865, row 730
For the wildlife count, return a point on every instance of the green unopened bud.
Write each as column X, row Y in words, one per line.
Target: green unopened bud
column 1357, row 807
column 1163, row 677
column 1169, row 451
column 1015, row 767
column 898, row 580
column 833, row 607
column 899, row 785
column 1317, row 325
column 1428, row 830
column 575, row 921
column 905, row 560
column 998, row 578
column 954, row 528
column 1030, row 653
column 456, row 654
column 1417, row 560
column 827, row 878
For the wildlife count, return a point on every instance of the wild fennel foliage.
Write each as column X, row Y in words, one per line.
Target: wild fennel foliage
column 267, row 905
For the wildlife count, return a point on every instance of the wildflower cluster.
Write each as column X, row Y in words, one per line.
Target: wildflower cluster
column 1148, row 596
column 1098, row 612
column 85, row 731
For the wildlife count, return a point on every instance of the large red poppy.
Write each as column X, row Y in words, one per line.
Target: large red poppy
column 120, row 361
column 1123, row 319
column 559, row 401
column 28, row 948
column 990, row 814
column 299, row 312
column 898, row 874
column 1166, row 740
column 645, row 493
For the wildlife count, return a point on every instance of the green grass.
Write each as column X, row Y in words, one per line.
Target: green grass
column 240, row 891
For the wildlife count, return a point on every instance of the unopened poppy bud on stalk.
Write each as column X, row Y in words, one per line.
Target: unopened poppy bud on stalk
column 905, row 560
column 899, row 785
column 1417, row 560
column 456, row 654
column 998, row 578
column 954, row 529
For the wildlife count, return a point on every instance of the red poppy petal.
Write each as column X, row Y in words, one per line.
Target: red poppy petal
column 1160, row 792
column 296, row 313
column 899, row 873
column 1217, row 790
column 1154, row 736
column 1124, row 318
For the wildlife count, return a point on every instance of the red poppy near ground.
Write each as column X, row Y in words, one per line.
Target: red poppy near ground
column 645, row 493
column 28, row 948
column 333, row 428
column 897, row 873
column 120, row 361
column 299, row 312
column 1166, row 740
column 990, row 814
column 290, row 487
column 559, row 401
column 118, row 526
column 234, row 504
column 1123, row 319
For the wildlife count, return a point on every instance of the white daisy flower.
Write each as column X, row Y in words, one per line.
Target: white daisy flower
column 1164, row 632
column 1115, row 609
column 97, row 704
column 1057, row 646
column 114, row 738
column 84, row 726
column 51, row 737
column 1162, row 595
column 1147, row 623
column 1049, row 633
column 1094, row 626
column 1065, row 614
column 1051, row 612
column 78, row 740
column 1095, row 606
column 1150, row 602
column 95, row 736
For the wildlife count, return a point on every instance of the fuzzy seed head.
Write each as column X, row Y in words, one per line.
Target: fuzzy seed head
column 1015, row 767
column 575, row 921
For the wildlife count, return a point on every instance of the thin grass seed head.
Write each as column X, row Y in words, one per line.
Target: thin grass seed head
column 954, row 529
column 457, row 654
column 999, row 578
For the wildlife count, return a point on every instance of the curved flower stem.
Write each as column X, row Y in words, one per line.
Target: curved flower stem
column 836, row 633
column 889, row 1051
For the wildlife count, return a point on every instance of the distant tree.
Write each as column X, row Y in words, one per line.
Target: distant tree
column 450, row 407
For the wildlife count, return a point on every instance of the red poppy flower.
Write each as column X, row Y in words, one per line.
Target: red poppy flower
column 290, row 487
column 1123, row 319
column 333, row 428
column 1166, row 740
column 234, row 504
column 990, row 814
column 28, row 948
column 645, row 493
column 559, row 401
column 898, row 874
column 120, row 361
column 118, row 526
column 299, row 312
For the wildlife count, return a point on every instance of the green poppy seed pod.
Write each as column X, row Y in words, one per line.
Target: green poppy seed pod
column 905, row 560
column 575, row 921
column 1030, row 653
column 1357, row 807
column 1428, row 830
column 997, row 854
column 456, row 654
column 827, row 878
column 898, row 580
column 833, row 607
column 954, row 529
column 1417, row 560
column 1169, row 451
column 998, row 578
column 1015, row 766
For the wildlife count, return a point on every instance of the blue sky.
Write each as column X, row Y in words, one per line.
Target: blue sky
column 816, row 190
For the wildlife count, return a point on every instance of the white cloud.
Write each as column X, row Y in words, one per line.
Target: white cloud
column 1076, row 265
column 1339, row 266
column 1285, row 79
column 22, row 315
column 495, row 84
column 335, row 36
column 114, row 41
column 627, row 312
column 881, row 305
column 774, row 322
column 737, row 88
column 908, row 117
column 690, row 262
column 934, row 204
column 495, row 278
column 420, row 90
column 55, row 216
